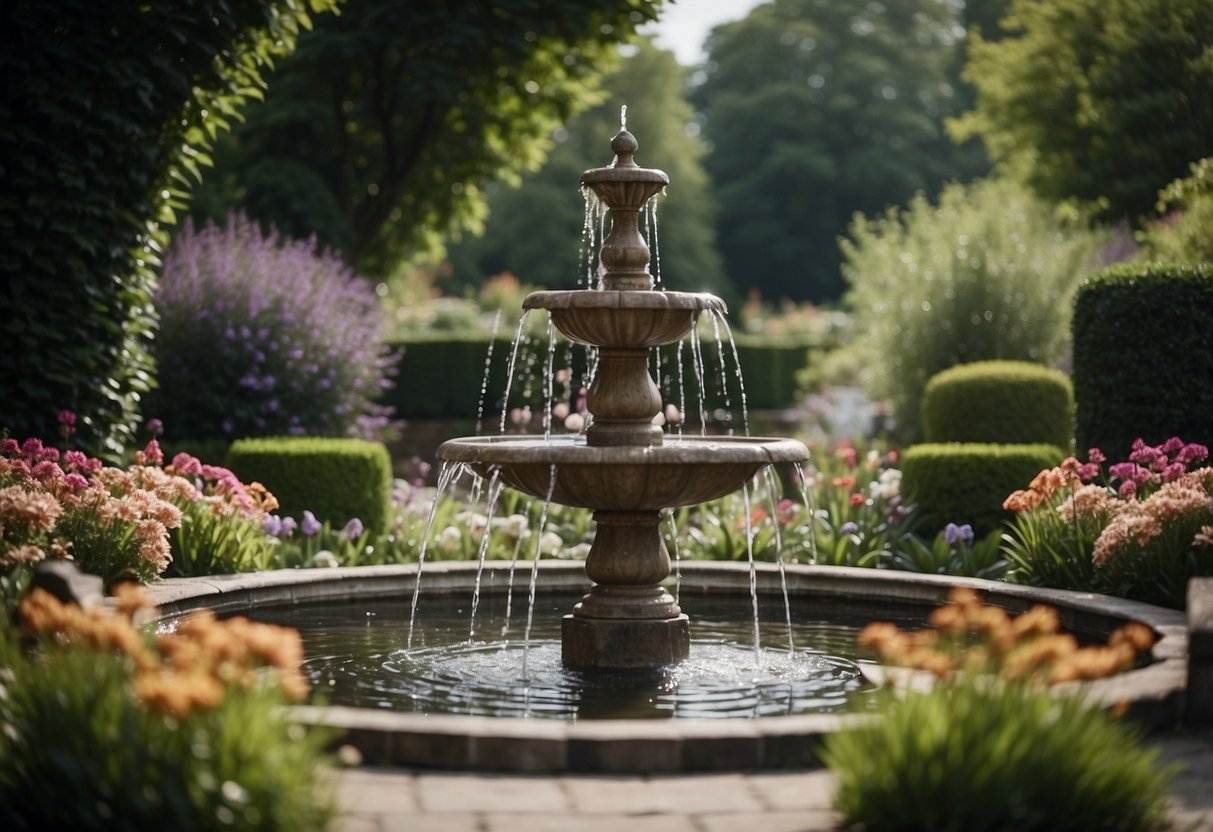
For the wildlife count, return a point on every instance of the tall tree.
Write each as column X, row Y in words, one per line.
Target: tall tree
column 533, row 230
column 380, row 131
column 1102, row 102
column 816, row 110
column 105, row 112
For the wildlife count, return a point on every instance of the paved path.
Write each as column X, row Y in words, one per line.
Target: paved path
column 387, row 800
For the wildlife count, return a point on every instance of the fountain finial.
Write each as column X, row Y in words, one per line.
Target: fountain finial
column 625, row 145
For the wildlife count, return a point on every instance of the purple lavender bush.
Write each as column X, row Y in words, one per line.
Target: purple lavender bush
column 261, row 336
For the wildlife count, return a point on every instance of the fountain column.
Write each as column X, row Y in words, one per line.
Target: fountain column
column 628, row 619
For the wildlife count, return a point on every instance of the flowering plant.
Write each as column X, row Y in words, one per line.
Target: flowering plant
column 260, row 336
column 1140, row 531
column 988, row 745
column 121, row 521
column 857, row 508
column 106, row 727
column 953, row 551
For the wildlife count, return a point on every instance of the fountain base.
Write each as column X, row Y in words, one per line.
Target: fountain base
column 624, row 643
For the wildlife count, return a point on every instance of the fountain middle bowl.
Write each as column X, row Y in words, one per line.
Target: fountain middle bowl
column 634, row 319
column 682, row 471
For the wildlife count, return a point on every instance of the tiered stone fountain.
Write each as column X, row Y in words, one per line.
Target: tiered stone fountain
column 624, row 467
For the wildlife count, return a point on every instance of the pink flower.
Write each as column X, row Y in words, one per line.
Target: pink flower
column 1173, row 472
column 1097, row 456
column 185, row 465
column 1127, row 490
column 151, row 455
column 1191, row 453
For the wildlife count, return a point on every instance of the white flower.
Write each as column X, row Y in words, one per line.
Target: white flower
column 550, row 543
column 560, row 411
column 659, row 420
column 324, row 558
column 476, row 523
column 888, row 485
column 515, row 525
column 450, row 538
column 574, row 423
column 579, row 552
column 672, row 415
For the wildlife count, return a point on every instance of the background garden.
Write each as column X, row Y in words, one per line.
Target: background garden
column 261, row 258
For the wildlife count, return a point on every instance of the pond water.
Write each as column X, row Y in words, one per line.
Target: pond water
column 357, row 656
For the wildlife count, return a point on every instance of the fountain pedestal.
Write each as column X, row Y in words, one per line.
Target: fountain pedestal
column 627, row 619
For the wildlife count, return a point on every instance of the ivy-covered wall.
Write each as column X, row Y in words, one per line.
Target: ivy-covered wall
column 106, row 112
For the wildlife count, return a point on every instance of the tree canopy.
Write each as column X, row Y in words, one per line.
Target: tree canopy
column 533, row 230
column 1100, row 102
column 106, row 111
column 816, row 110
column 379, row 133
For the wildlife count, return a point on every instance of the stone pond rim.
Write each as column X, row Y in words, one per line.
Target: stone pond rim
column 1154, row 692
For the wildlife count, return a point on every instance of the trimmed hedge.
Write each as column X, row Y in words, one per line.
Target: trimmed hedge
column 1007, row 402
column 440, row 378
column 337, row 479
column 957, row 482
column 1143, row 356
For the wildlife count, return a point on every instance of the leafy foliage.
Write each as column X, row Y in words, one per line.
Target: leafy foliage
column 263, row 337
column 381, row 130
column 953, row 551
column 1184, row 231
column 1103, row 103
column 107, row 112
column 1142, row 338
column 816, row 111
column 986, row 273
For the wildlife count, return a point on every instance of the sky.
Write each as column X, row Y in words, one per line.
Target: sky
column 684, row 24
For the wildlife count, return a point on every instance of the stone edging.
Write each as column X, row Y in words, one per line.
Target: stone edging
column 1154, row 693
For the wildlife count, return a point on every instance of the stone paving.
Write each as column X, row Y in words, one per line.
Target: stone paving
column 387, row 800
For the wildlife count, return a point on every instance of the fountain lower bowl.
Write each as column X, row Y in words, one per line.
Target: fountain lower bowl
column 385, row 737
column 682, row 471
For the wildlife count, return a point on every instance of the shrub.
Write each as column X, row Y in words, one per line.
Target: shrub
column 988, row 746
column 106, row 730
column 987, row 273
column 263, row 337
column 1005, row 402
column 1184, row 232
column 336, row 479
column 1143, row 335
column 968, row 482
column 1141, row 533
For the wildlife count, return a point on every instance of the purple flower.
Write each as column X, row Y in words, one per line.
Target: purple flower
column 271, row 524
column 353, row 529
column 155, row 427
column 288, row 526
column 849, row 528
column 953, row 534
column 309, row 525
